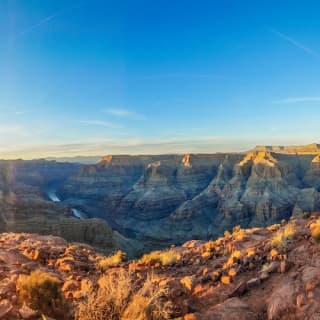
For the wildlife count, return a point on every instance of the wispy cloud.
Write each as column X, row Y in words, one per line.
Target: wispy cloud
column 101, row 123
column 183, row 75
column 118, row 112
column 296, row 43
column 298, row 99
column 39, row 24
column 23, row 112
column 48, row 19
column 12, row 130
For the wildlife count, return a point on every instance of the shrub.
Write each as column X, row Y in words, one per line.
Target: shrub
column 250, row 252
column 225, row 279
column 210, row 246
column 227, row 234
column 236, row 229
column 110, row 300
column 167, row 257
column 238, row 233
column 151, row 302
column 112, row 261
column 234, row 256
column 41, row 291
column 315, row 230
column 289, row 230
column 280, row 239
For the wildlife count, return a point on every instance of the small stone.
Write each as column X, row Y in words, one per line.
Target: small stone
column 251, row 266
column 271, row 267
column 264, row 276
column 5, row 308
column 27, row 313
column 310, row 295
column 254, row 282
column 309, row 286
column 284, row 266
column 301, row 300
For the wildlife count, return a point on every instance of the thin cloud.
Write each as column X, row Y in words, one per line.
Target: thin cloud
column 39, row 24
column 23, row 112
column 183, row 75
column 12, row 130
column 296, row 43
column 298, row 99
column 101, row 123
column 47, row 19
column 117, row 112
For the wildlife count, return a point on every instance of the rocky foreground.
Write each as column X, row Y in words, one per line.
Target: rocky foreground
column 258, row 273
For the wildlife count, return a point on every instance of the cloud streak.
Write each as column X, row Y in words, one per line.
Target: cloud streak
column 39, row 24
column 47, row 19
column 298, row 99
column 124, row 113
column 101, row 123
column 183, row 75
column 296, row 43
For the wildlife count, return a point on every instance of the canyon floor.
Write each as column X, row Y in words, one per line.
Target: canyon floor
column 258, row 273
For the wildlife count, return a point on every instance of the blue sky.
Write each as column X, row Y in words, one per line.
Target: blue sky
column 98, row 76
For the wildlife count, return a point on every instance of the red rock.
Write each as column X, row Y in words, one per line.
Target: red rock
column 5, row 308
column 27, row 313
column 301, row 300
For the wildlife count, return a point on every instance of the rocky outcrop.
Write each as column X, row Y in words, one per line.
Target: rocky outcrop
column 258, row 273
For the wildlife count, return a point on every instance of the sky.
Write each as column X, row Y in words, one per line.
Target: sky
column 91, row 77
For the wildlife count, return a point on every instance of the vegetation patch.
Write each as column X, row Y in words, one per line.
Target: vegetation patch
column 315, row 230
column 41, row 291
column 167, row 257
column 112, row 261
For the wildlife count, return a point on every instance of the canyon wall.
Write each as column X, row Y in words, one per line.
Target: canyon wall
column 158, row 200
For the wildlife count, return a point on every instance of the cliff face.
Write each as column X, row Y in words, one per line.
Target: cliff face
column 163, row 199
column 176, row 198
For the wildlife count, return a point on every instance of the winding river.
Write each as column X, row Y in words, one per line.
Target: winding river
column 76, row 212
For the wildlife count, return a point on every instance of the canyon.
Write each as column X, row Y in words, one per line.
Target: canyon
column 138, row 203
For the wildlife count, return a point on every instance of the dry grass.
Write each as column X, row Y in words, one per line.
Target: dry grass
column 232, row 272
column 150, row 303
column 167, row 257
column 280, row 239
column 225, row 279
column 273, row 227
column 315, row 230
column 112, row 261
column 110, row 300
column 251, row 252
column 41, row 291
column 238, row 233
column 234, row 256
column 210, row 246
column 227, row 234
column 289, row 230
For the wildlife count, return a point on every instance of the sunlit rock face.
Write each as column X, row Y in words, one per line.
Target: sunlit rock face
column 162, row 199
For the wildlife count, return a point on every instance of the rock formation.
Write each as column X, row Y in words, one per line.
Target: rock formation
column 260, row 273
column 158, row 200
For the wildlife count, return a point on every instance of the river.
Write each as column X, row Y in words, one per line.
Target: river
column 76, row 212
